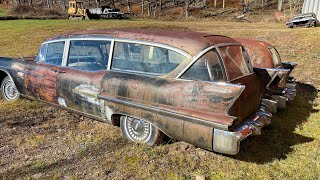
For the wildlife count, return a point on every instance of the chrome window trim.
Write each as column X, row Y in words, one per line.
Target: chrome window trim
column 217, row 46
column 177, row 50
column 180, row 51
column 155, row 44
column 53, row 41
column 194, row 59
column 111, row 54
column 67, row 51
column 199, row 55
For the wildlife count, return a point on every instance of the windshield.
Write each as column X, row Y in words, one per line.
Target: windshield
column 275, row 56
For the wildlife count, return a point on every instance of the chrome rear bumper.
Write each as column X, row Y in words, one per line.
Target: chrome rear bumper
column 229, row 142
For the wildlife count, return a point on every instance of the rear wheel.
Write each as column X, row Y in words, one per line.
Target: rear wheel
column 140, row 131
column 9, row 91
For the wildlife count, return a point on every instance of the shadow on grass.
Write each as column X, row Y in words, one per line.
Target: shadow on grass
column 278, row 140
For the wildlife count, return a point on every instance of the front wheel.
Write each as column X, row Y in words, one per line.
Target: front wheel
column 140, row 131
column 9, row 91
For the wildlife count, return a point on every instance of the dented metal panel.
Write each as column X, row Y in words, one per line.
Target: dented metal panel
column 203, row 100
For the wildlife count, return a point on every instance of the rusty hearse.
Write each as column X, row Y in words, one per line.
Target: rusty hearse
column 194, row 87
column 282, row 88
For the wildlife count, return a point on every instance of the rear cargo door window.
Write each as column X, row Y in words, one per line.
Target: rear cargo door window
column 89, row 55
column 144, row 58
column 51, row 53
column 207, row 68
column 235, row 60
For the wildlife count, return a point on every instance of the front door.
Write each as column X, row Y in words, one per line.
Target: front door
column 79, row 81
column 41, row 76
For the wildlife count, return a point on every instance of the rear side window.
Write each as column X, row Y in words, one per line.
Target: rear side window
column 51, row 53
column 235, row 61
column 207, row 68
column 144, row 58
column 89, row 55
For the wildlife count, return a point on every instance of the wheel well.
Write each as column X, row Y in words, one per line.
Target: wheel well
column 2, row 75
column 115, row 119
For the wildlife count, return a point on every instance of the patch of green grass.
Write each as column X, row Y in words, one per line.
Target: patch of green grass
column 3, row 12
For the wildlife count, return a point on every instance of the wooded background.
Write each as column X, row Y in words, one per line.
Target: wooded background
column 155, row 7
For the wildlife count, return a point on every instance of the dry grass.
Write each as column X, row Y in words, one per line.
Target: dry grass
column 37, row 140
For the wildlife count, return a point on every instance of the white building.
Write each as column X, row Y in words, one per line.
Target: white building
column 311, row 6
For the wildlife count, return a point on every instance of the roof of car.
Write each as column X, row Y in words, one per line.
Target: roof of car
column 253, row 42
column 188, row 41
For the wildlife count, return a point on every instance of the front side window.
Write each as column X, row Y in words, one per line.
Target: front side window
column 144, row 58
column 236, row 64
column 90, row 55
column 51, row 53
column 207, row 68
column 275, row 56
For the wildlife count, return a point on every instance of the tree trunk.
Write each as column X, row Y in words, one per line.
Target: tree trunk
column 149, row 8
column 112, row 2
column 215, row 3
column 186, row 7
column 98, row 3
column 129, row 6
column 280, row 3
column 160, row 5
column 223, row 4
column 155, row 10
column 204, row 2
column 142, row 7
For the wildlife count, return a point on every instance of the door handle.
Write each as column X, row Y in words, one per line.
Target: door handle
column 62, row 71
column 54, row 70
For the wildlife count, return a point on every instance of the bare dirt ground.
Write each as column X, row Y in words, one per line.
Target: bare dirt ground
column 41, row 141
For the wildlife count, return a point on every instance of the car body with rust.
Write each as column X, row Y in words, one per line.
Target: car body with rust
column 263, row 55
column 194, row 87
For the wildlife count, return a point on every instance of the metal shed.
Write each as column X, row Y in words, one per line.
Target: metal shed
column 311, row 6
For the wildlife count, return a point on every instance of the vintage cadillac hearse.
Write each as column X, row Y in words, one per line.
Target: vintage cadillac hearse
column 194, row 87
column 263, row 55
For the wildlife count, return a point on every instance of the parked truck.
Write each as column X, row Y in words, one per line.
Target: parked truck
column 77, row 10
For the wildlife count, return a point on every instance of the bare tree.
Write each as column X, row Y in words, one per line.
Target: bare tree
column 280, row 3
column 98, row 3
column 215, row 3
column 112, row 3
column 160, row 4
column 149, row 8
column 129, row 6
column 186, row 7
column 142, row 7
column 204, row 3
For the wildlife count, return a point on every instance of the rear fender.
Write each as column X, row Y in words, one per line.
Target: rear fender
column 271, row 75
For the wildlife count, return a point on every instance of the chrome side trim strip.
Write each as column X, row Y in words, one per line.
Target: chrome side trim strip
column 164, row 112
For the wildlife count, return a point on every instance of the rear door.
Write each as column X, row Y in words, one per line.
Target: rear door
column 79, row 80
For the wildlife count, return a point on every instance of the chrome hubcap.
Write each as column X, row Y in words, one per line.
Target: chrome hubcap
column 10, row 91
column 137, row 129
